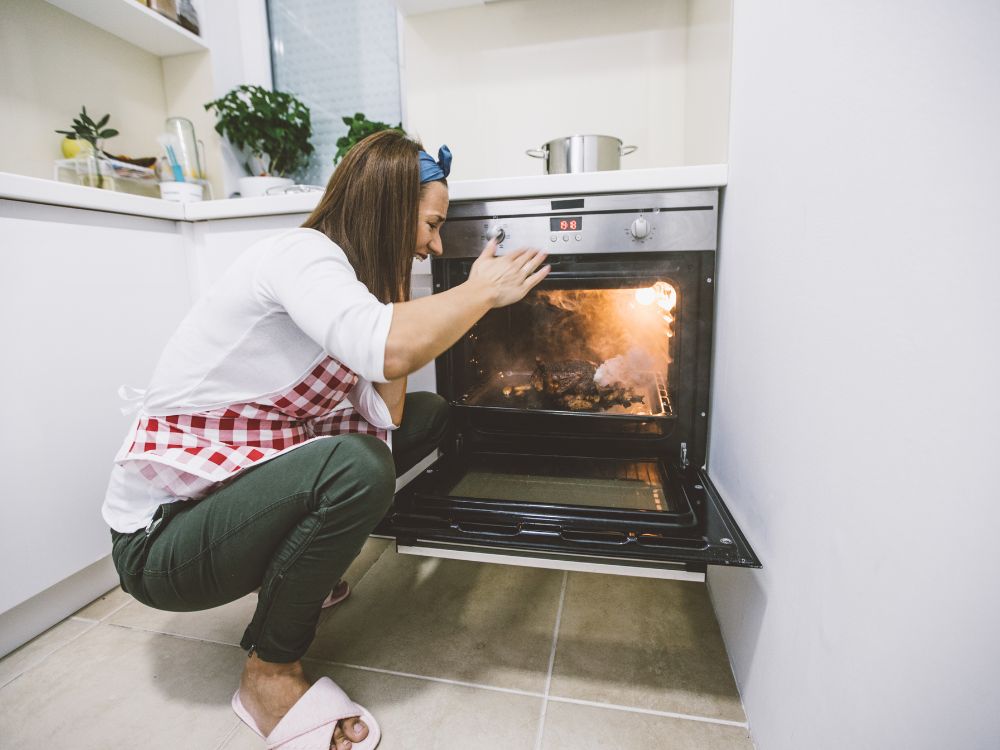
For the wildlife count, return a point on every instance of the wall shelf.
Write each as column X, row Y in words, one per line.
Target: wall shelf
column 136, row 24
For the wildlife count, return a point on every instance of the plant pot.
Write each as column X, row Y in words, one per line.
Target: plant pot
column 181, row 192
column 256, row 187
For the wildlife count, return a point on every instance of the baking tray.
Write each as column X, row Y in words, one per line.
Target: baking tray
column 656, row 404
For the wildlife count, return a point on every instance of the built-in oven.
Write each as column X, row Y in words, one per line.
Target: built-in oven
column 580, row 414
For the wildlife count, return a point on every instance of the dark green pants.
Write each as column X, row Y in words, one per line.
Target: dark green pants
column 290, row 526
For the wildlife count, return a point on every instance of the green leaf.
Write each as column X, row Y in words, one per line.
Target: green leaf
column 273, row 126
column 109, row 133
column 103, row 121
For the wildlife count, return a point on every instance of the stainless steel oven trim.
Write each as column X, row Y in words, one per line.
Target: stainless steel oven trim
column 615, row 202
column 551, row 560
column 673, row 221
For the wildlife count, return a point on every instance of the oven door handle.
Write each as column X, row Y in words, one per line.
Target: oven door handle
column 605, row 538
column 487, row 529
column 578, row 274
column 507, row 530
column 552, row 531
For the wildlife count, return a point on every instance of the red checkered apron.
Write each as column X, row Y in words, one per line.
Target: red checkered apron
column 189, row 454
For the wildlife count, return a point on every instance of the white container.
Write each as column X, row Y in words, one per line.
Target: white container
column 256, row 187
column 182, row 192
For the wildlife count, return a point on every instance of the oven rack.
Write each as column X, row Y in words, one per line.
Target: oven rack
column 485, row 397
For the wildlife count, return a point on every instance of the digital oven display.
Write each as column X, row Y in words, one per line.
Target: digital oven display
column 566, row 223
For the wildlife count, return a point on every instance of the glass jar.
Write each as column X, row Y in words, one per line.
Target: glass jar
column 186, row 147
column 93, row 168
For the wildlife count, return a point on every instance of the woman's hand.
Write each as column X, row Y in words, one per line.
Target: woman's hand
column 507, row 278
column 424, row 328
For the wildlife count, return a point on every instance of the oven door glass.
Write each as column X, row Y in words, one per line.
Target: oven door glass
column 604, row 347
column 609, row 349
column 627, row 508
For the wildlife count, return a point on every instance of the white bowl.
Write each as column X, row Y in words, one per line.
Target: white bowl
column 182, row 192
column 256, row 187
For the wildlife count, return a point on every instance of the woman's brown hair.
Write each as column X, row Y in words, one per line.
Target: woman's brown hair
column 370, row 209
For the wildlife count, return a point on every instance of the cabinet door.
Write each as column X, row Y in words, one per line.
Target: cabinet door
column 87, row 300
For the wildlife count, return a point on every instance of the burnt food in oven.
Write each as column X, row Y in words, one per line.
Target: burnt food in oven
column 570, row 385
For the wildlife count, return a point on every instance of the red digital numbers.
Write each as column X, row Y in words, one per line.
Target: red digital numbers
column 567, row 225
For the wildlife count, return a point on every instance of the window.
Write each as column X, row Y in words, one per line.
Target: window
column 339, row 57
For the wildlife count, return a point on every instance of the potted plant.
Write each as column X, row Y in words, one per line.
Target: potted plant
column 271, row 128
column 91, row 165
column 359, row 128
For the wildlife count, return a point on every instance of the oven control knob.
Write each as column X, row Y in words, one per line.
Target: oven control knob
column 639, row 228
column 495, row 233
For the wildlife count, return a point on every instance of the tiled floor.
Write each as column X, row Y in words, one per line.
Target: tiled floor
column 446, row 654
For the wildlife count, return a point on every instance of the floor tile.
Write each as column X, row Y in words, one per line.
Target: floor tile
column 223, row 624
column 121, row 688
column 104, row 605
column 571, row 727
column 39, row 648
column 486, row 624
column 421, row 714
column 226, row 624
column 369, row 554
column 645, row 643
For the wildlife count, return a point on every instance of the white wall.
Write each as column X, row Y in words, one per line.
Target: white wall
column 856, row 415
column 51, row 64
column 236, row 31
column 706, row 85
column 495, row 80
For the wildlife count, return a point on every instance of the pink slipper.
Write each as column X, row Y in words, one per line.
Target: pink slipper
column 309, row 724
column 340, row 592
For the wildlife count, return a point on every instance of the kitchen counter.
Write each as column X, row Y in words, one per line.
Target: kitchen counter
column 35, row 190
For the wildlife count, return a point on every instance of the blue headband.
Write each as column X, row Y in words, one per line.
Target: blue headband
column 431, row 170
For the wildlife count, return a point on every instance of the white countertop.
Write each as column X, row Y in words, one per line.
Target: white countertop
column 35, row 190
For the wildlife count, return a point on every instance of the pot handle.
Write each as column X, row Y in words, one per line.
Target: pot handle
column 626, row 150
column 538, row 153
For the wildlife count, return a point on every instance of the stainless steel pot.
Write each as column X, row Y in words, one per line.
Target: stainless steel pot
column 581, row 153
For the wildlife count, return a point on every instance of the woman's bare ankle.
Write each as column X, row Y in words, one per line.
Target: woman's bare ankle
column 258, row 668
column 269, row 689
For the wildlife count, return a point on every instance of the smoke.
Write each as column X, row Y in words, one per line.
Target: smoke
column 625, row 369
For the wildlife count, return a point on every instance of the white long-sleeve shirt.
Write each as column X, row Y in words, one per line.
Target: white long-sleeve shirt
column 286, row 303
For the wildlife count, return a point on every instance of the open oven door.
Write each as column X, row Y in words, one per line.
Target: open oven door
column 618, row 515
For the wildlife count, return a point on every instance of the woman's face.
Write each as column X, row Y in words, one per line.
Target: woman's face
column 431, row 215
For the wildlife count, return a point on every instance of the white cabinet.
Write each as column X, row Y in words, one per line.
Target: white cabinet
column 87, row 300
column 136, row 24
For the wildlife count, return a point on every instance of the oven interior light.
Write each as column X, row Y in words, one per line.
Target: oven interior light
column 664, row 295
column 645, row 296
